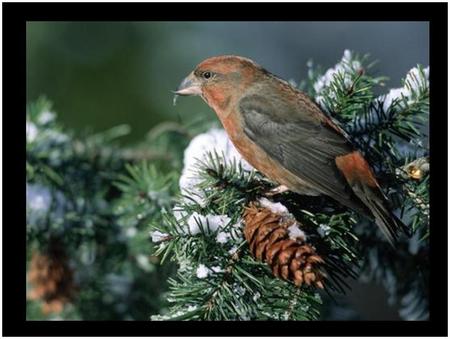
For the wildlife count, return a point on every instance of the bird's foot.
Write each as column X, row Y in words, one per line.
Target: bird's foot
column 277, row 190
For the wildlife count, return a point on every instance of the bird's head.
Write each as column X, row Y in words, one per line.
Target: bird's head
column 219, row 80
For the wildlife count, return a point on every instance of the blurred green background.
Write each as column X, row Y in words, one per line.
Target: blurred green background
column 101, row 74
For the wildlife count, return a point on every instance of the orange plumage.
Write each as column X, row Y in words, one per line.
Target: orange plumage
column 281, row 132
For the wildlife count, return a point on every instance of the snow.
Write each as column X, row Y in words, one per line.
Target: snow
column 32, row 131
column 217, row 269
column 223, row 237
column 179, row 214
column 158, row 236
column 194, row 221
column 233, row 250
column 239, row 290
column 323, row 230
column 174, row 315
column 216, row 221
column 395, row 93
column 188, row 186
column 276, row 208
column 38, row 197
column 202, row 271
column 345, row 66
column 295, row 233
column 213, row 140
column 407, row 91
column 46, row 117
column 413, row 77
column 209, row 223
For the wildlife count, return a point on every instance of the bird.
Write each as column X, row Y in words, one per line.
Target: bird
column 285, row 135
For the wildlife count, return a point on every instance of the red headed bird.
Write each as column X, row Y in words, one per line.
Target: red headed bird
column 282, row 133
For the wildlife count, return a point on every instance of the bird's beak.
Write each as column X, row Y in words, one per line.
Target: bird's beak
column 189, row 86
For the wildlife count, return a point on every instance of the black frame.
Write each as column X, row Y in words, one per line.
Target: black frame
column 15, row 16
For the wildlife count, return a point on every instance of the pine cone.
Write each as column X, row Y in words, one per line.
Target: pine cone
column 51, row 279
column 416, row 169
column 276, row 239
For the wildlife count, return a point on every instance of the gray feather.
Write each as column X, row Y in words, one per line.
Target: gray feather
column 300, row 143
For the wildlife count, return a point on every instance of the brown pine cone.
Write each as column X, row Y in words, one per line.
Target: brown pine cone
column 276, row 239
column 51, row 279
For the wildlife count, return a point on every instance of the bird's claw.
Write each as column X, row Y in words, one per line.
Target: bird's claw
column 277, row 190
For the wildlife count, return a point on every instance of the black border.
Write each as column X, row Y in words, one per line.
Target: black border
column 15, row 16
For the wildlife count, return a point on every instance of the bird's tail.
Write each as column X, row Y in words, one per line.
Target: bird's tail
column 391, row 226
column 361, row 179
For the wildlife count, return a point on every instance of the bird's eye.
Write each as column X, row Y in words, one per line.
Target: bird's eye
column 207, row 75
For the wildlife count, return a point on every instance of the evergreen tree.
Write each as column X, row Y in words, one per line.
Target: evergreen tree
column 191, row 213
column 88, row 248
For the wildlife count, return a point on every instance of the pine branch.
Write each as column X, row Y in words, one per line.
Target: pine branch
column 378, row 125
column 344, row 90
column 391, row 131
column 72, row 202
column 203, row 232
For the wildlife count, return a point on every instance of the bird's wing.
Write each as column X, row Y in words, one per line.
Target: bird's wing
column 300, row 141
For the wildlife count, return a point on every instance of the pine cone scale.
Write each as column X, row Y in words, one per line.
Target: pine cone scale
column 285, row 272
column 260, row 249
column 294, row 265
column 298, row 278
column 286, row 256
column 272, row 252
column 276, row 270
